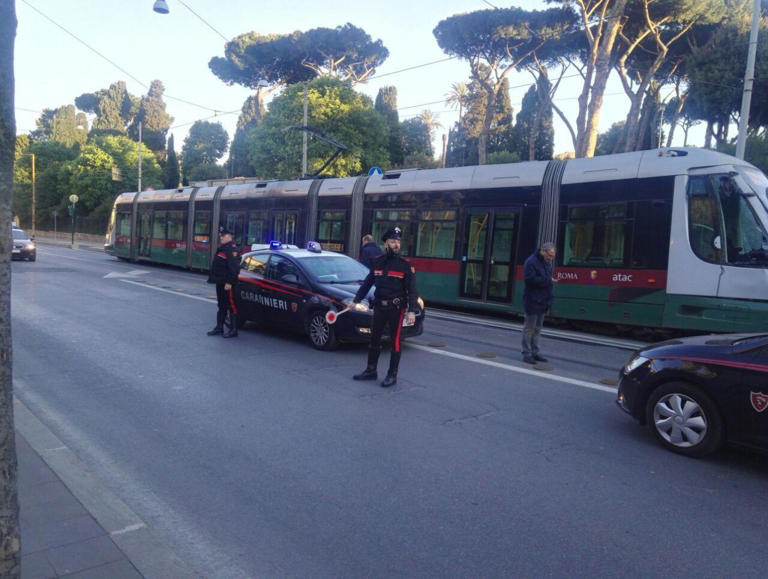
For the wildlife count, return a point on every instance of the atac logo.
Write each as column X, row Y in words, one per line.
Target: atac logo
column 759, row 400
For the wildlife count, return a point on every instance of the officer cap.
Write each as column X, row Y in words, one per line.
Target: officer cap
column 224, row 231
column 394, row 233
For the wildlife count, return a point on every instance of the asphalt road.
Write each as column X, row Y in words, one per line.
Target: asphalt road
column 260, row 456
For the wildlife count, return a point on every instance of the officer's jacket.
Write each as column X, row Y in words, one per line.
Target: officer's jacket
column 394, row 278
column 225, row 266
column 538, row 294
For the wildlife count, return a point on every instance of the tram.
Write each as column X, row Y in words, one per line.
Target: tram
column 665, row 238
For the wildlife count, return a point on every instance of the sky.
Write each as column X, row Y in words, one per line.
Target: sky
column 53, row 66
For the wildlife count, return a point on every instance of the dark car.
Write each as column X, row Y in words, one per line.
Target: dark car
column 294, row 288
column 696, row 393
column 23, row 246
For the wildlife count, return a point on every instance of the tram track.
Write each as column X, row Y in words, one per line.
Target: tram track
column 581, row 337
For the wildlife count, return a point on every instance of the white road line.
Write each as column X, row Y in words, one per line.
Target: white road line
column 537, row 373
column 160, row 289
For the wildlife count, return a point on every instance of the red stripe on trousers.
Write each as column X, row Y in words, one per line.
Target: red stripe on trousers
column 399, row 329
column 232, row 305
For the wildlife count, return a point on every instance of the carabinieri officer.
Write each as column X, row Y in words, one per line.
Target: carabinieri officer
column 225, row 268
column 395, row 282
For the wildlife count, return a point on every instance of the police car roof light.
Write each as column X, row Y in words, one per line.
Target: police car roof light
column 274, row 244
column 314, row 246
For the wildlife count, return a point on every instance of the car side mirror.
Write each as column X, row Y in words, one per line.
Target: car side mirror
column 291, row 278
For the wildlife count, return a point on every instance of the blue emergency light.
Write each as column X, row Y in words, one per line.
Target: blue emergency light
column 314, row 246
column 275, row 244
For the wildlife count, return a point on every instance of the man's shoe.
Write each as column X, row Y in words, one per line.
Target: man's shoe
column 215, row 332
column 390, row 380
column 539, row 358
column 367, row 374
column 529, row 360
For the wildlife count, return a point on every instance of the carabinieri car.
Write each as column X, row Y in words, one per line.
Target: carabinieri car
column 696, row 393
column 294, row 288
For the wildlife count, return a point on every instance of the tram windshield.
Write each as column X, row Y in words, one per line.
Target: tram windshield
column 757, row 181
column 724, row 226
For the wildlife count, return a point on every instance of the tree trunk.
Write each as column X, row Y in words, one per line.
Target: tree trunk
column 10, row 537
column 482, row 141
column 587, row 137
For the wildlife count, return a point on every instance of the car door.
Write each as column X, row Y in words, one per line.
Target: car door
column 283, row 308
column 752, row 398
column 251, row 287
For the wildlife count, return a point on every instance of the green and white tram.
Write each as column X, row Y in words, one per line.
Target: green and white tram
column 667, row 238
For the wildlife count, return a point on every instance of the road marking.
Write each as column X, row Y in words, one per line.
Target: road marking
column 538, row 374
column 160, row 289
column 134, row 273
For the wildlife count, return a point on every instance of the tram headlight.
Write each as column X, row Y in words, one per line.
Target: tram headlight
column 634, row 363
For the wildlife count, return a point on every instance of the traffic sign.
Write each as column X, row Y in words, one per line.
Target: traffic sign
column 375, row 171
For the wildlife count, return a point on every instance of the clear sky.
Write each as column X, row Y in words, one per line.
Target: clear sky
column 52, row 67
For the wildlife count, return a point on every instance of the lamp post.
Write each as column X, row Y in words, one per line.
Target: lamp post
column 749, row 77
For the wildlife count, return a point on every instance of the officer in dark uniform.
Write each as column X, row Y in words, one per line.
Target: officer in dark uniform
column 225, row 268
column 395, row 282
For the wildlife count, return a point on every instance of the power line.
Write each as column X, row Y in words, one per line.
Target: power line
column 110, row 61
column 204, row 21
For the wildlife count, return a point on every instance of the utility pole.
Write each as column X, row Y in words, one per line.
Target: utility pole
column 304, row 140
column 139, row 189
column 749, row 77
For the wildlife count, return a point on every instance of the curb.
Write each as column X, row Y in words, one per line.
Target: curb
column 144, row 550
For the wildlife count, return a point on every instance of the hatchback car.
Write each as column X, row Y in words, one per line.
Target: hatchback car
column 295, row 288
column 696, row 393
column 23, row 246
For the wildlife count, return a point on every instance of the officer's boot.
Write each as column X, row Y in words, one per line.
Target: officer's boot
column 232, row 331
column 219, row 329
column 370, row 371
column 394, row 362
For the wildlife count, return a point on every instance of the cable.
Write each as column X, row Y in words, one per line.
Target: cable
column 113, row 63
column 204, row 21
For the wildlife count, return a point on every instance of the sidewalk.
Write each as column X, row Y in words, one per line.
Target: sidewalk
column 71, row 524
column 82, row 240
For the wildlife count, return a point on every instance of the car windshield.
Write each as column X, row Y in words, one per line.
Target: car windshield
column 19, row 234
column 334, row 268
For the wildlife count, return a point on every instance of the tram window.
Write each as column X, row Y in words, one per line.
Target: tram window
column 158, row 229
column 437, row 234
column 332, row 229
column 202, row 227
column 176, row 225
column 596, row 236
column 704, row 220
column 256, row 227
column 745, row 238
column 254, row 264
column 650, row 246
column 123, row 228
column 385, row 220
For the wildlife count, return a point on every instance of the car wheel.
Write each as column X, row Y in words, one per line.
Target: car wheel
column 33, row 258
column 321, row 333
column 684, row 419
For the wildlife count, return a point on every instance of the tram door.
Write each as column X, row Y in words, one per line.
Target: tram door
column 284, row 226
column 490, row 242
column 145, row 231
column 234, row 223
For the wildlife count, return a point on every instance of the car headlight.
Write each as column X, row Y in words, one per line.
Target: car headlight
column 634, row 363
column 362, row 306
column 30, row 246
